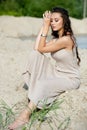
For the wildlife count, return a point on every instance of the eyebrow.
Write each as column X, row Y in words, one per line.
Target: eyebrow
column 55, row 18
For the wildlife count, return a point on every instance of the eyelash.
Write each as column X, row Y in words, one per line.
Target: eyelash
column 55, row 21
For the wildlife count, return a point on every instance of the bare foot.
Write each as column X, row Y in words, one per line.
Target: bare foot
column 21, row 120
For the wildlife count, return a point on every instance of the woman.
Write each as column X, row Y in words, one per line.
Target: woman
column 47, row 81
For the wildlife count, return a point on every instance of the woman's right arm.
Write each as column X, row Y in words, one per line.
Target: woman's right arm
column 41, row 32
column 38, row 39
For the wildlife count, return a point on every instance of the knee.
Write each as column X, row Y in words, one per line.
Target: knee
column 35, row 53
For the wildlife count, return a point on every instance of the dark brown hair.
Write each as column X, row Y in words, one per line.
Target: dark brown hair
column 67, row 27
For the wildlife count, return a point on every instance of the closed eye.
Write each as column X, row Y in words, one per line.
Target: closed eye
column 56, row 20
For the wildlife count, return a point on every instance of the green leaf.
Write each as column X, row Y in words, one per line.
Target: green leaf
column 1, row 119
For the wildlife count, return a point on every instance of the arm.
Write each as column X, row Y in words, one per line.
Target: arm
column 38, row 39
column 55, row 45
column 44, row 31
column 39, row 34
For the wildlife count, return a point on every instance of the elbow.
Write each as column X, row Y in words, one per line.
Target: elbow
column 35, row 48
column 40, row 50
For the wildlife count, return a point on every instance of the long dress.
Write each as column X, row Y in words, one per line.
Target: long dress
column 47, row 81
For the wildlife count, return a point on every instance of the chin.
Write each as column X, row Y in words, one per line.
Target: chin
column 54, row 29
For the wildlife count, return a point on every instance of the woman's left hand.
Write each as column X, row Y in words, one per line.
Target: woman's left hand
column 46, row 18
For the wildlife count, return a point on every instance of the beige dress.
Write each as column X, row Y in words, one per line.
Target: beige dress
column 47, row 81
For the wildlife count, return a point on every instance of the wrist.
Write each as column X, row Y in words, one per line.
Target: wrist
column 45, row 30
column 45, row 26
column 43, row 35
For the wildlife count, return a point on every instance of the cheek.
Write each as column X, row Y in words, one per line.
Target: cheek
column 60, row 23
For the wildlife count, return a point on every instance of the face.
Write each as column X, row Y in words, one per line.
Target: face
column 56, row 22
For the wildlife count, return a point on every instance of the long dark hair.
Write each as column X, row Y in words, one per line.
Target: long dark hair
column 67, row 27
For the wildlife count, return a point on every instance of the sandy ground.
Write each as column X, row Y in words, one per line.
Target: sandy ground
column 15, row 46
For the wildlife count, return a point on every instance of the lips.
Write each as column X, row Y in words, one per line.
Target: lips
column 53, row 26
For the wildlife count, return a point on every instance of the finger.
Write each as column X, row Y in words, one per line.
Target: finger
column 46, row 12
column 44, row 15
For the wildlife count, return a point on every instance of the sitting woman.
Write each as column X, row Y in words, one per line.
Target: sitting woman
column 47, row 81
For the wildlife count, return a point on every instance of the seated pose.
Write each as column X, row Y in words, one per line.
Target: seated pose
column 46, row 80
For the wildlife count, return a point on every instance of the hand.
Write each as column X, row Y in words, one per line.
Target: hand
column 46, row 18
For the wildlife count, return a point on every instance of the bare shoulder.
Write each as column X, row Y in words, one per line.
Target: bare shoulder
column 68, row 41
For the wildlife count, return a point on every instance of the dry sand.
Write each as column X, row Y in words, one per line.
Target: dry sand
column 15, row 47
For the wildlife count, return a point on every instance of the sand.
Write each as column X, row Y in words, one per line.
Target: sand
column 16, row 42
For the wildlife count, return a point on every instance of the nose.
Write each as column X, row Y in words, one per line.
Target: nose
column 52, row 22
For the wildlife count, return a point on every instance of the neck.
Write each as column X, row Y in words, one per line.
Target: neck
column 60, row 32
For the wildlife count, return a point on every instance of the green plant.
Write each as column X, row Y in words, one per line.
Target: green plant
column 6, row 115
column 38, row 117
column 35, row 8
column 44, row 116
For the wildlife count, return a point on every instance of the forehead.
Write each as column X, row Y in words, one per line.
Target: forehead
column 56, row 15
